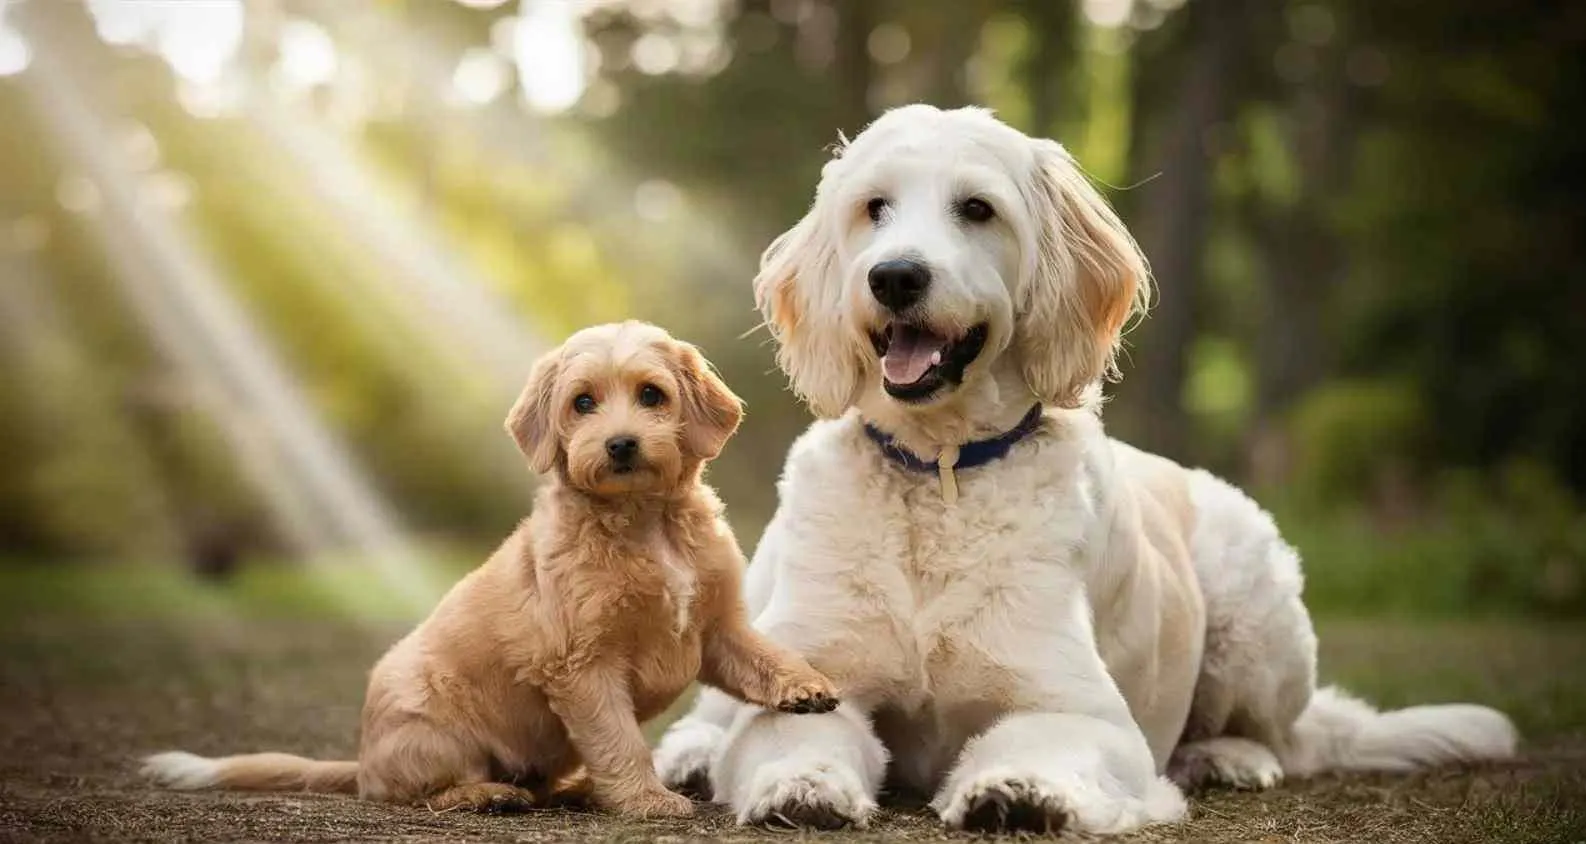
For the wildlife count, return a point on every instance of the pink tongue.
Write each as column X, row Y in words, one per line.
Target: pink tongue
column 909, row 354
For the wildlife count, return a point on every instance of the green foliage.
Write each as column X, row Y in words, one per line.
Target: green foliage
column 1478, row 545
column 1347, row 433
column 1218, row 392
column 1385, row 277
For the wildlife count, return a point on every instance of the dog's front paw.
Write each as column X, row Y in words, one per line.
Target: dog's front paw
column 819, row 797
column 660, row 803
column 1022, row 800
column 1008, row 805
column 805, row 694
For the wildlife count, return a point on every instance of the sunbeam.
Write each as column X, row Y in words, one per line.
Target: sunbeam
column 307, row 477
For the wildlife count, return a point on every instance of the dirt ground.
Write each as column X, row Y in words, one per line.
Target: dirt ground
column 80, row 700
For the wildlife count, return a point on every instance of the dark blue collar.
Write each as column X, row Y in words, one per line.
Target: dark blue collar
column 970, row 455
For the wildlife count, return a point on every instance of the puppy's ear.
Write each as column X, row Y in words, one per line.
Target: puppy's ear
column 799, row 291
column 1087, row 280
column 711, row 412
column 532, row 420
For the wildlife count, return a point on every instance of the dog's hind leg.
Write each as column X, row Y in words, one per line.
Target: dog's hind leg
column 1225, row 761
column 483, row 797
column 418, row 763
column 1258, row 668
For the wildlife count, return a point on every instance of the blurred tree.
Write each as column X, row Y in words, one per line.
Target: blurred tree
column 1469, row 268
column 1186, row 92
column 1364, row 225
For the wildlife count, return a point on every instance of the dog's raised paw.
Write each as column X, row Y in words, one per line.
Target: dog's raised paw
column 812, row 696
column 811, row 704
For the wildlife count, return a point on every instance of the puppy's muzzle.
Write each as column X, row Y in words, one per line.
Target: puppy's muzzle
column 623, row 451
column 899, row 284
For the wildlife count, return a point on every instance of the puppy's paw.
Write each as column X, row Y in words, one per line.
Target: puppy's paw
column 655, row 804
column 806, row 694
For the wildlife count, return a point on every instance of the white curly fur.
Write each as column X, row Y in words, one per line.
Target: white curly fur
column 1037, row 654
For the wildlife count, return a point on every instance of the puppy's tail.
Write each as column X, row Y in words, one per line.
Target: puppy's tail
column 251, row 771
column 1337, row 732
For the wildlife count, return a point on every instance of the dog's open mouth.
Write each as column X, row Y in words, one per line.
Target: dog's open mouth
column 916, row 361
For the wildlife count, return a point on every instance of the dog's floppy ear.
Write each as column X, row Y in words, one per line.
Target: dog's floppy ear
column 532, row 420
column 1088, row 278
column 800, row 293
column 711, row 412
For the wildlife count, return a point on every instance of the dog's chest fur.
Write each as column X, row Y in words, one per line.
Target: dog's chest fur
column 957, row 586
column 678, row 582
column 951, row 600
column 665, row 644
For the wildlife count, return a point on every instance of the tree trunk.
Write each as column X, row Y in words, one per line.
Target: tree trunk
column 945, row 43
column 1302, row 264
column 1173, row 214
column 1053, row 27
column 853, row 67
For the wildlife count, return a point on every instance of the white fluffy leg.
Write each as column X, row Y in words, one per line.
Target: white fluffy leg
column 683, row 758
column 1226, row 761
column 819, row 771
column 1044, row 773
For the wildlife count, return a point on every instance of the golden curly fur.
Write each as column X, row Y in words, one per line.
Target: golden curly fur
column 530, row 679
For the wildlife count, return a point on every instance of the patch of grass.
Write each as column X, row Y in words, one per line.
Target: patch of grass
column 1530, row 670
column 1510, row 543
column 326, row 589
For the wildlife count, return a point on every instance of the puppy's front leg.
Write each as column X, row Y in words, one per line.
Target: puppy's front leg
column 595, row 706
column 743, row 663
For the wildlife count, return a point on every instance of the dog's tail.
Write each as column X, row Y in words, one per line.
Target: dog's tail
column 251, row 771
column 1337, row 732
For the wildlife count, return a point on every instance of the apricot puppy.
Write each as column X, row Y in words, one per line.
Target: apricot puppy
column 535, row 671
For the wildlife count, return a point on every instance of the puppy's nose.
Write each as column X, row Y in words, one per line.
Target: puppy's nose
column 899, row 284
column 622, row 449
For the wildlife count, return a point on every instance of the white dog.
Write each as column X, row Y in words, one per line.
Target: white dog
column 1029, row 622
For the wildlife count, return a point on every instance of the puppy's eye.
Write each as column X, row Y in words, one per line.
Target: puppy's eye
column 975, row 210
column 651, row 396
column 584, row 404
column 875, row 208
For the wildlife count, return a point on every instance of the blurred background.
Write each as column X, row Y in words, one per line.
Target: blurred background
column 272, row 271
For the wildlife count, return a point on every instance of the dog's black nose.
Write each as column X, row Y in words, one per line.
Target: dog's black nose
column 622, row 449
column 899, row 284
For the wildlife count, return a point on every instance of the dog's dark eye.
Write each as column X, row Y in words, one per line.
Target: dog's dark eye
column 651, row 396
column 875, row 208
column 584, row 403
column 975, row 210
